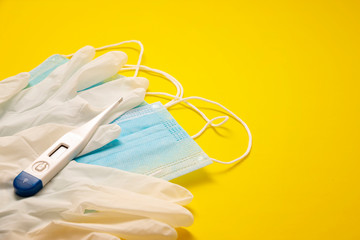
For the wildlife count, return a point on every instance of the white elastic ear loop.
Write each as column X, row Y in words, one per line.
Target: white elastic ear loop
column 137, row 66
column 177, row 84
column 179, row 94
column 233, row 115
column 208, row 121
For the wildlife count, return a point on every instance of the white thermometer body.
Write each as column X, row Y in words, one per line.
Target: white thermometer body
column 56, row 157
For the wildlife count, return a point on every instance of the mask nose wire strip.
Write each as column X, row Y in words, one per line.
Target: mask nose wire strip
column 137, row 66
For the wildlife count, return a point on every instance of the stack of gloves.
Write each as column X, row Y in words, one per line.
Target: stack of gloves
column 82, row 201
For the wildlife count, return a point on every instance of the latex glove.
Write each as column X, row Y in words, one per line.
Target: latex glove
column 85, row 201
column 56, row 99
column 12, row 85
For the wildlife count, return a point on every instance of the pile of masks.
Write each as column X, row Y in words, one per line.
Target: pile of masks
column 116, row 188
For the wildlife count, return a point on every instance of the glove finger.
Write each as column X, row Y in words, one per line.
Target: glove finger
column 9, row 87
column 147, row 185
column 122, row 201
column 82, row 57
column 124, row 227
column 131, row 89
column 95, row 71
column 133, row 99
column 40, row 93
column 103, row 135
column 103, row 95
column 103, row 67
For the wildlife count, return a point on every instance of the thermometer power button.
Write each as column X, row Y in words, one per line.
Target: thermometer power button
column 40, row 166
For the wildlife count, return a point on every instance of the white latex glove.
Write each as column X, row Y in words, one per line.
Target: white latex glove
column 56, row 99
column 12, row 85
column 82, row 201
column 85, row 201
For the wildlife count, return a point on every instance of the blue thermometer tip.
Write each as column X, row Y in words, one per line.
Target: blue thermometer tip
column 26, row 184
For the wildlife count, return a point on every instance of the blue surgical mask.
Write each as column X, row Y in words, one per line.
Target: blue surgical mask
column 151, row 143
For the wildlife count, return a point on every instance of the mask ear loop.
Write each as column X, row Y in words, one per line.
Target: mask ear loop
column 179, row 95
column 137, row 66
column 208, row 123
column 177, row 84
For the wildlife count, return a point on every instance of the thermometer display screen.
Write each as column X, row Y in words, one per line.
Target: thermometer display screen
column 57, row 153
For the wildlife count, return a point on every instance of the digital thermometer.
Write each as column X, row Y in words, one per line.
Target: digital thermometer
column 56, row 157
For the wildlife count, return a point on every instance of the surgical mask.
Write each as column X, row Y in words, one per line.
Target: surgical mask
column 151, row 143
column 179, row 98
column 144, row 144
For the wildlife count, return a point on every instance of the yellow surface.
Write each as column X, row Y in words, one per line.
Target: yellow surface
column 290, row 69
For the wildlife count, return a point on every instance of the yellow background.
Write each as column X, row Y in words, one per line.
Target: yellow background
column 290, row 69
